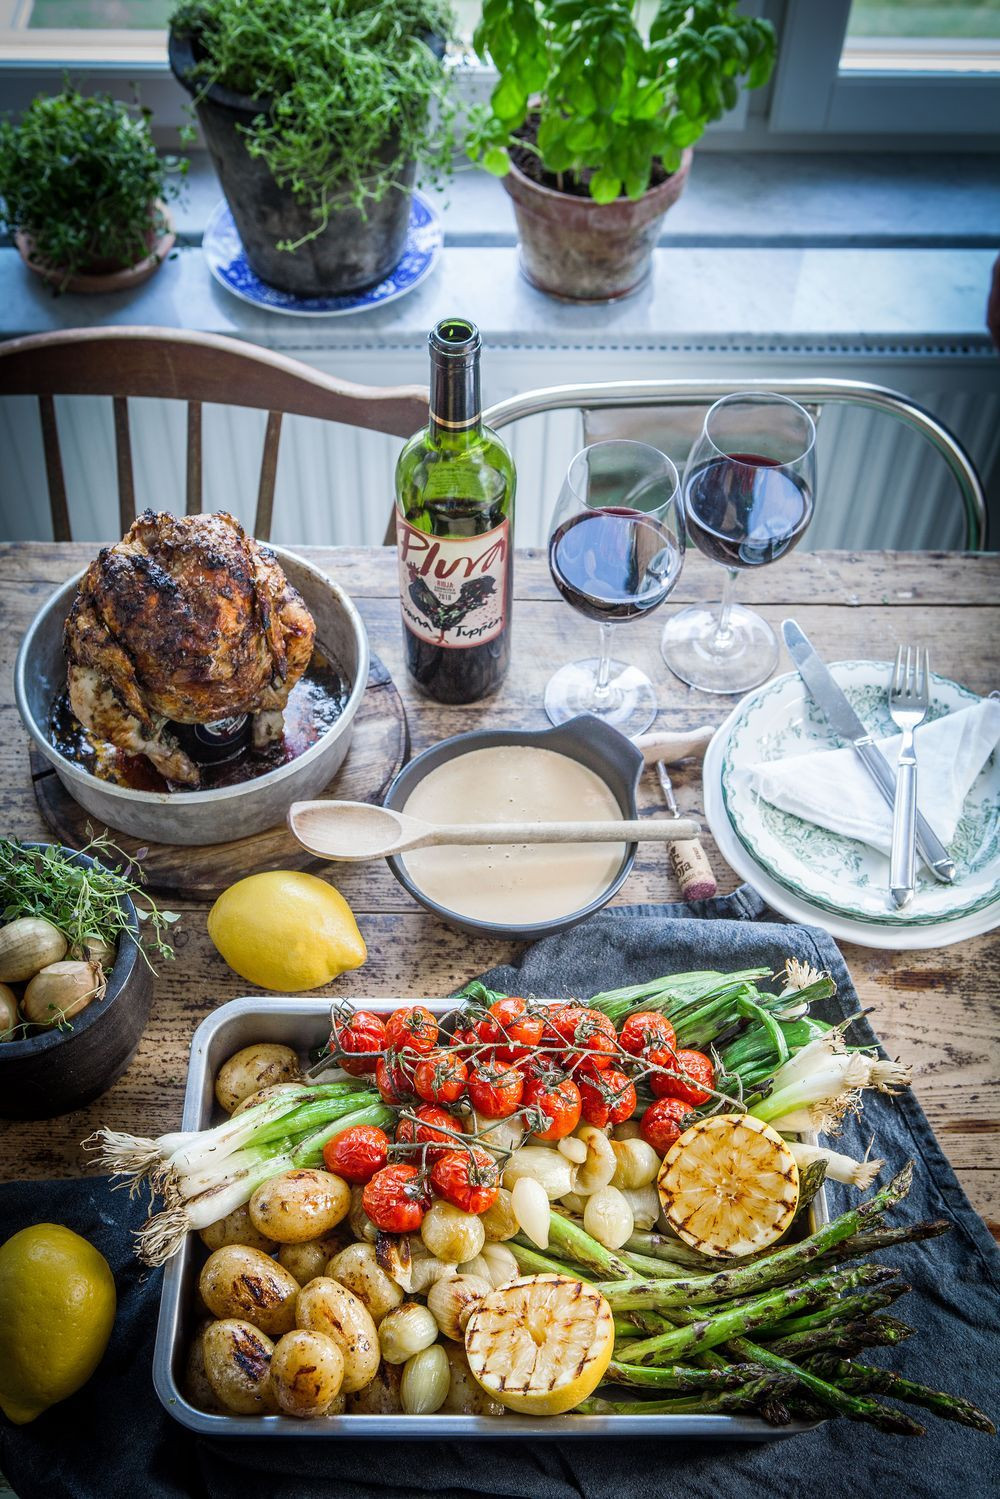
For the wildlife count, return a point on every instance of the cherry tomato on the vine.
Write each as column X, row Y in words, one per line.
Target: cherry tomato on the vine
column 646, row 1031
column 662, row 1123
column 469, row 1179
column 392, row 1082
column 364, row 1032
column 357, row 1153
column 436, row 1129
column 413, row 1028
column 495, row 1090
column 697, row 1082
column 559, row 1102
column 560, row 1023
column 510, row 1028
column 396, row 1199
column 440, row 1077
column 607, row 1097
column 594, row 1043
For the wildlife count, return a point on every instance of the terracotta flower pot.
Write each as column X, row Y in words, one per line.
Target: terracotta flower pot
column 583, row 251
column 102, row 273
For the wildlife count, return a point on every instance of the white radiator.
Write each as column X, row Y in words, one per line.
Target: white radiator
column 879, row 484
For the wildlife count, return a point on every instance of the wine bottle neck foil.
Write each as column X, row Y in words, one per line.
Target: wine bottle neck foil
column 456, row 404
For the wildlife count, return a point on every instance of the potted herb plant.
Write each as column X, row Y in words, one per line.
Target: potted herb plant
column 84, row 191
column 318, row 115
column 592, row 121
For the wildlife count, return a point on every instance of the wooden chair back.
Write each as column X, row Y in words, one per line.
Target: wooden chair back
column 195, row 368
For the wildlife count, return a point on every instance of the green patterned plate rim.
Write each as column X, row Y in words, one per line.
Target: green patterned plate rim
column 829, row 870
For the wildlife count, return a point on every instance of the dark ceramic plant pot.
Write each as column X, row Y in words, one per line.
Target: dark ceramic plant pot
column 53, row 1071
column 353, row 252
column 584, row 251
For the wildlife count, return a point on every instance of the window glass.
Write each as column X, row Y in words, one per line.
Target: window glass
column 96, row 15
column 956, row 36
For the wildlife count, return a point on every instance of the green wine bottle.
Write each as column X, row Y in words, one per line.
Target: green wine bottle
column 455, row 532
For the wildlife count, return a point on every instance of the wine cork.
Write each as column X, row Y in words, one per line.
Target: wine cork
column 693, row 872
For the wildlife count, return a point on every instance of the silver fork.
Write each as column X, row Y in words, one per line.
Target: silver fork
column 909, row 699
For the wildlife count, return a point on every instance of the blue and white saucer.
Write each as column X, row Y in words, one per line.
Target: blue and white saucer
column 227, row 261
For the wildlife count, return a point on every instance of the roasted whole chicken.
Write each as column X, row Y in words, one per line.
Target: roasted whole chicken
column 187, row 620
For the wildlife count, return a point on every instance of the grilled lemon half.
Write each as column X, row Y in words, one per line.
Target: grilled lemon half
column 729, row 1185
column 540, row 1344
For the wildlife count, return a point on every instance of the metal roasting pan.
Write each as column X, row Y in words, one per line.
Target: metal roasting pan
column 199, row 817
column 305, row 1023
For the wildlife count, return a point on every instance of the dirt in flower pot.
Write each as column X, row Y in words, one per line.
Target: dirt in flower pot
column 580, row 250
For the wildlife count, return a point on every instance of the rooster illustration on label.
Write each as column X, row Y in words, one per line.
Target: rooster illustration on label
column 444, row 614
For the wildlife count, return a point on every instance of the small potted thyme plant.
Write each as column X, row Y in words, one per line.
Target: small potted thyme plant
column 84, row 191
column 319, row 115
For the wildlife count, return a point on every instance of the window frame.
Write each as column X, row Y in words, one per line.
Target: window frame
column 812, row 94
column 809, row 96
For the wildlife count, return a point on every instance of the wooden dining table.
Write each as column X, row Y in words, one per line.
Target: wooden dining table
column 937, row 1009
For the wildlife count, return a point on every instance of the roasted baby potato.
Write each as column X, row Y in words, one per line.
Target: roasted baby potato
column 236, row 1228
column 253, row 1068
column 357, row 1268
column 380, row 1396
column 238, row 1365
column 299, row 1205
column 307, row 1370
column 195, row 1383
column 465, row 1396
column 241, row 1283
column 325, row 1306
column 309, row 1259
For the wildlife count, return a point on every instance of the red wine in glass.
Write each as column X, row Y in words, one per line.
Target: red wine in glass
column 613, row 563
column 745, row 510
column 749, row 487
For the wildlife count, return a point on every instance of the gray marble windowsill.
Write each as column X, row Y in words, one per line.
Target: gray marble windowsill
column 699, row 301
column 833, row 252
column 745, row 199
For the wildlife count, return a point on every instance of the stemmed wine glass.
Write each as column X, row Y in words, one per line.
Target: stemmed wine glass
column 615, row 550
column 748, row 498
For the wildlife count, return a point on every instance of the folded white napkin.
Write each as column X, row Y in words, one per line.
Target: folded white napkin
column 832, row 788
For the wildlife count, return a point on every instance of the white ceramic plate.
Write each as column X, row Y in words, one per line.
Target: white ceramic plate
column 844, row 929
column 835, row 873
column 223, row 250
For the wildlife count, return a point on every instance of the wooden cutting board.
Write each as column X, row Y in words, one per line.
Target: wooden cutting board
column 380, row 747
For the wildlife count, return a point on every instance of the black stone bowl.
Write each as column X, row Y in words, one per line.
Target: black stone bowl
column 587, row 739
column 54, row 1071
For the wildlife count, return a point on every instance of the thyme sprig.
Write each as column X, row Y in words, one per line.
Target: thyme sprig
column 84, row 902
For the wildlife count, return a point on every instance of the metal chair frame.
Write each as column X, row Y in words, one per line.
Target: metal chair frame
column 642, row 394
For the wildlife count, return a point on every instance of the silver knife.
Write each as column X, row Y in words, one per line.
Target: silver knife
column 843, row 719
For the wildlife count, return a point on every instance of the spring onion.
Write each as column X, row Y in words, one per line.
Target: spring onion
column 204, row 1175
column 839, row 1168
column 823, row 1082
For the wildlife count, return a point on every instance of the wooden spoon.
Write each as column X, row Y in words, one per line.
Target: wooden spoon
column 359, row 830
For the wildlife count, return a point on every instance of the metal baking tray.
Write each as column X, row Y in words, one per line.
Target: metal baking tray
column 303, row 1024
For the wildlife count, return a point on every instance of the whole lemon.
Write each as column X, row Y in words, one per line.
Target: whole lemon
column 286, row 930
column 57, row 1309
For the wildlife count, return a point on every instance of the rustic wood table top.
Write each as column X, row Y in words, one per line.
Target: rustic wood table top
column 938, row 1009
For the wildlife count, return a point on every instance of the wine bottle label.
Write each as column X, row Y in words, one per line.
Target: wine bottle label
column 453, row 589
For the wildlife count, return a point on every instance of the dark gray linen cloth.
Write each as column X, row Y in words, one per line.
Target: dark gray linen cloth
column 112, row 1440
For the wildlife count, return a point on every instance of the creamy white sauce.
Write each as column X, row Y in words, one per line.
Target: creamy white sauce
column 515, row 884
